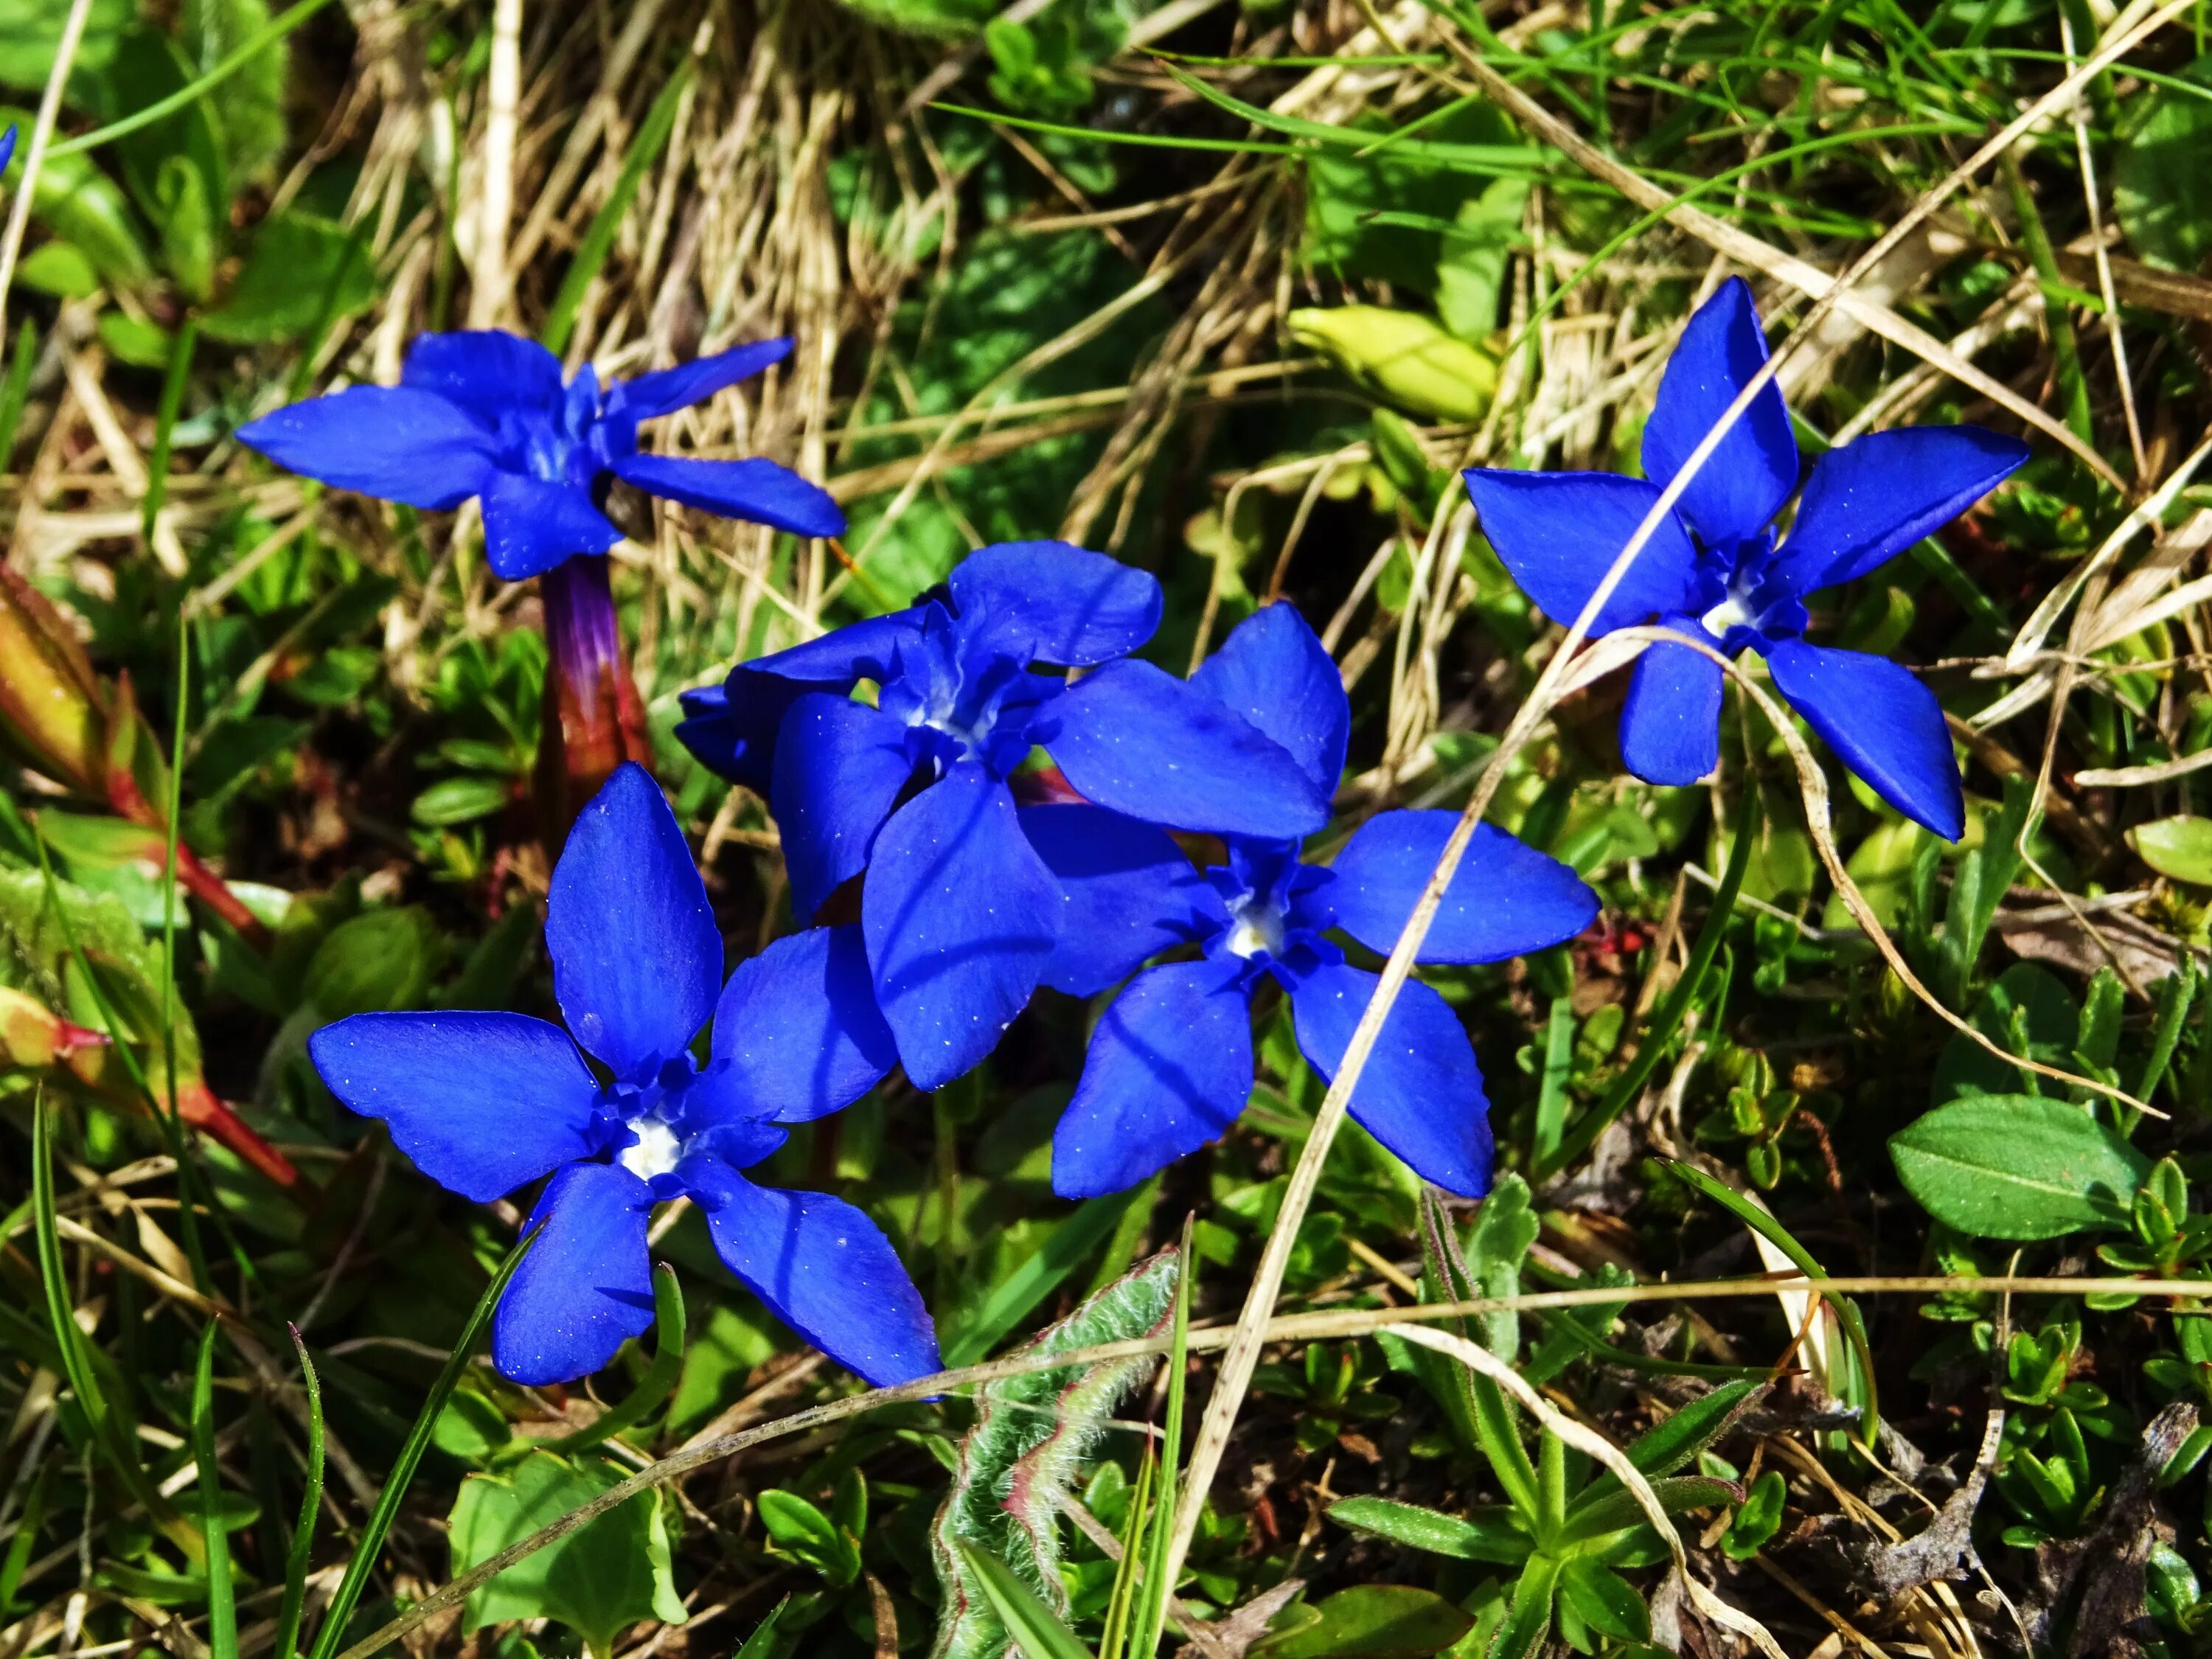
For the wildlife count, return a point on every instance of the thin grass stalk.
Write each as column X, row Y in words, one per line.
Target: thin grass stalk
column 311, row 1500
column 222, row 1598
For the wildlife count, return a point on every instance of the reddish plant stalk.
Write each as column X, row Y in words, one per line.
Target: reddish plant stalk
column 594, row 720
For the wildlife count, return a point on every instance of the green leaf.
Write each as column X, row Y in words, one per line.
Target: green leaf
column 1388, row 214
column 1604, row 1601
column 377, row 962
column 84, row 207
column 133, row 340
column 1487, row 1536
column 1471, row 268
column 1403, row 357
column 31, row 32
column 184, row 218
column 148, row 68
column 2027, row 1010
column 2162, row 181
column 1529, row 1617
column 1372, row 1621
column 2018, row 1167
column 302, row 271
column 597, row 1581
column 1666, row 1447
column 1035, row 1630
column 59, row 269
column 1020, row 1460
column 1757, row 1520
column 802, row 1532
column 459, row 800
column 2179, row 847
column 1041, row 1272
column 253, row 101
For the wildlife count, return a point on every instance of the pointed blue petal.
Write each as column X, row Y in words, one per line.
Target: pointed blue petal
column 857, row 651
column 1052, row 602
column 1169, row 1069
column 1273, row 672
column 667, row 389
column 530, row 525
column 758, row 491
column 1670, row 726
column 1558, row 533
column 733, row 728
column 1505, row 900
column 960, row 914
column 636, row 957
column 797, row 1033
column 487, row 371
column 392, row 442
column 839, row 767
column 1886, row 726
column 7, row 147
column 1744, row 483
column 1870, row 500
column 1420, row 1093
column 826, row 1271
column 480, row 1102
column 1139, row 740
column 1131, row 891
column 585, row 1287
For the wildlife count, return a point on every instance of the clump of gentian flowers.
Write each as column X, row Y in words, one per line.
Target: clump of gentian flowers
column 1716, row 570
column 485, row 1102
column 963, row 902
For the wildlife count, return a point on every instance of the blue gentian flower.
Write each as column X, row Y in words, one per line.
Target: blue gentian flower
column 483, row 412
column 961, row 911
column 1170, row 1065
column 484, row 1103
column 6, row 146
column 1714, row 568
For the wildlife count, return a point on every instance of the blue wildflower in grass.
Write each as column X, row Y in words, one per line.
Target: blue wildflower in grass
column 484, row 413
column 1170, row 1065
column 6, row 146
column 484, row 1103
column 1716, row 568
column 961, row 909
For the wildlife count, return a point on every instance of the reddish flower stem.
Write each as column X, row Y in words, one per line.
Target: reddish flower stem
column 594, row 720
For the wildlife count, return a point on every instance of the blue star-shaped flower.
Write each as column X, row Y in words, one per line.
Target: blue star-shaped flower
column 483, row 413
column 1170, row 1064
column 1714, row 567
column 960, row 911
column 484, row 1102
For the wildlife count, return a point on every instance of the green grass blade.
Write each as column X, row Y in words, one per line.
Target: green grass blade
column 311, row 1500
column 600, row 241
column 1157, row 1592
column 340, row 1611
column 222, row 1604
column 1036, row 1278
column 1036, row 1630
column 1669, row 1020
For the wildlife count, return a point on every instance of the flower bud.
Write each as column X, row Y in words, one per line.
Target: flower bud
column 51, row 705
column 1405, row 357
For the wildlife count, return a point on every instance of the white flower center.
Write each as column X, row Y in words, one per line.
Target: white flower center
column 1730, row 612
column 1258, row 927
column 656, row 1152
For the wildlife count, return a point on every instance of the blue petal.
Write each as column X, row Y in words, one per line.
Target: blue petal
column 392, row 442
column 960, row 914
column 1560, row 532
column 530, row 525
column 719, row 741
column 667, row 389
column 797, row 1033
column 480, row 1102
column 1506, row 899
column 1870, row 500
column 1052, row 602
column 1131, row 893
column 585, row 1287
column 758, row 491
column 7, row 147
column 1273, row 672
column 636, row 957
column 1887, row 725
column 1140, row 741
column 1170, row 1069
column 827, row 1272
column 487, row 371
column 733, row 728
column 1670, row 726
column 858, row 651
column 1420, row 1092
column 1745, row 481
column 839, row 767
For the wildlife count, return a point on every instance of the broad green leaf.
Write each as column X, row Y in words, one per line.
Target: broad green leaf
column 802, row 1532
column 253, row 97
column 377, row 962
column 59, row 269
column 2179, row 847
column 186, row 220
column 1488, row 1536
column 1602, row 1599
column 147, row 68
column 1471, row 267
column 2027, row 1010
column 2018, row 1167
column 1403, row 357
column 2162, row 181
column 1757, row 1520
column 1497, row 1243
column 1372, row 1621
column 597, row 1581
column 1020, row 1461
column 301, row 271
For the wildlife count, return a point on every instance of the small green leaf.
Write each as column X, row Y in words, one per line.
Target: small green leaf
column 1758, row 1519
column 1372, row 1621
column 133, row 340
column 1604, row 1601
column 597, row 1581
column 805, row 1535
column 2178, row 848
column 59, row 269
column 2018, row 1167
column 1487, row 1536
column 459, row 800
